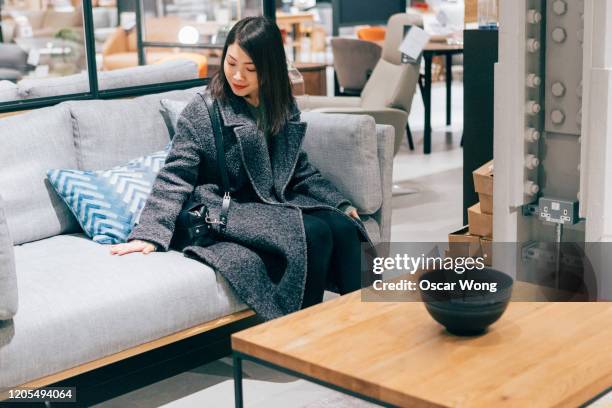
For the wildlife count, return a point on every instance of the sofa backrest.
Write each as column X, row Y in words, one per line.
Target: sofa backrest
column 108, row 133
column 169, row 71
column 86, row 135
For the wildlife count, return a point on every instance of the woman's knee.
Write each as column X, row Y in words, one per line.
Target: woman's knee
column 318, row 232
column 341, row 225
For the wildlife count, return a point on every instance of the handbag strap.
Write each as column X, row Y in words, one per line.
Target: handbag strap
column 213, row 112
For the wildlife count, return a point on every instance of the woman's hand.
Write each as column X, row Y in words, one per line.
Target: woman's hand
column 132, row 246
column 353, row 214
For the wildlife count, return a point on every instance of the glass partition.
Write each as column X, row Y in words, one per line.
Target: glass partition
column 179, row 40
column 56, row 50
column 42, row 49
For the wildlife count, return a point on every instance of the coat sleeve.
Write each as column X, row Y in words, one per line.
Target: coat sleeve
column 173, row 185
column 309, row 181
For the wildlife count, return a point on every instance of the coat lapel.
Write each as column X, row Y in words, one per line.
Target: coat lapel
column 253, row 149
column 285, row 153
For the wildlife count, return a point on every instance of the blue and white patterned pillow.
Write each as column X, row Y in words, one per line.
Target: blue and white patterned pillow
column 108, row 203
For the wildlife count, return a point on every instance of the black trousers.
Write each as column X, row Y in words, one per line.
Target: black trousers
column 333, row 253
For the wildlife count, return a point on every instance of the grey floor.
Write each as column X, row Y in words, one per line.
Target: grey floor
column 427, row 216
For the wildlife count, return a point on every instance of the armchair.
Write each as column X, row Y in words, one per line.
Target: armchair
column 354, row 62
column 387, row 95
column 120, row 49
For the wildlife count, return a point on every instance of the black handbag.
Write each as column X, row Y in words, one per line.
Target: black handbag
column 194, row 226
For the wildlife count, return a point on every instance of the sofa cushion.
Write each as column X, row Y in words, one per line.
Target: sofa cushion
column 344, row 149
column 8, row 279
column 171, row 111
column 109, row 133
column 78, row 303
column 107, row 203
column 32, row 143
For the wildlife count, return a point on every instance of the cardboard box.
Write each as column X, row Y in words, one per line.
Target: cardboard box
column 486, row 245
column 483, row 179
column 471, row 11
column 480, row 224
column 462, row 244
column 486, row 203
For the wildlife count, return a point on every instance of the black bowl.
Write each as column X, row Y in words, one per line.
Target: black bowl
column 466, row 311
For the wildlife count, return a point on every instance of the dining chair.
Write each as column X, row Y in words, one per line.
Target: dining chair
column 388, row 93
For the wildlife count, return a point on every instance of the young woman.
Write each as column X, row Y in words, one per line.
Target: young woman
column 289, row 231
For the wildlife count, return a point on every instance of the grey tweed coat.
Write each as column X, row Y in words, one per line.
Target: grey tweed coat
column 262, row 252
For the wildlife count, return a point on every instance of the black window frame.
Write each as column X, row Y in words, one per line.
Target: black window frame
column 268, row 10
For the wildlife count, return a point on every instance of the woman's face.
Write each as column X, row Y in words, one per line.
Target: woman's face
column 241, row 73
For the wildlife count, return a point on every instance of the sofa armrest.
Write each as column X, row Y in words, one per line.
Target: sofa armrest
column 310, row 102
column 385, row 135
column 345, row 150
column 8, row 277
column 384, row 116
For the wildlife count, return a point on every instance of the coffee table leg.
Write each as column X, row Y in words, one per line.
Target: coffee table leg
column 427, row 98
column 237, row 380
column 449, row 87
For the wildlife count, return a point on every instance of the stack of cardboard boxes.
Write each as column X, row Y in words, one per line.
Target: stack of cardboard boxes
column 471, row 11
column 476, row 238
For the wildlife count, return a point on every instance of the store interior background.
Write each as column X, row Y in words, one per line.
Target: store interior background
column 43, row 40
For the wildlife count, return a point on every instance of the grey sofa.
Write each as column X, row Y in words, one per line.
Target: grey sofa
column 169, row 71
column 73, row 303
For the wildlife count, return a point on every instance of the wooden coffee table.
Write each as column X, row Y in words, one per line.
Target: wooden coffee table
column 394, row 354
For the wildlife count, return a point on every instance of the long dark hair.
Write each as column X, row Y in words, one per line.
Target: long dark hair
column 261, row 39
